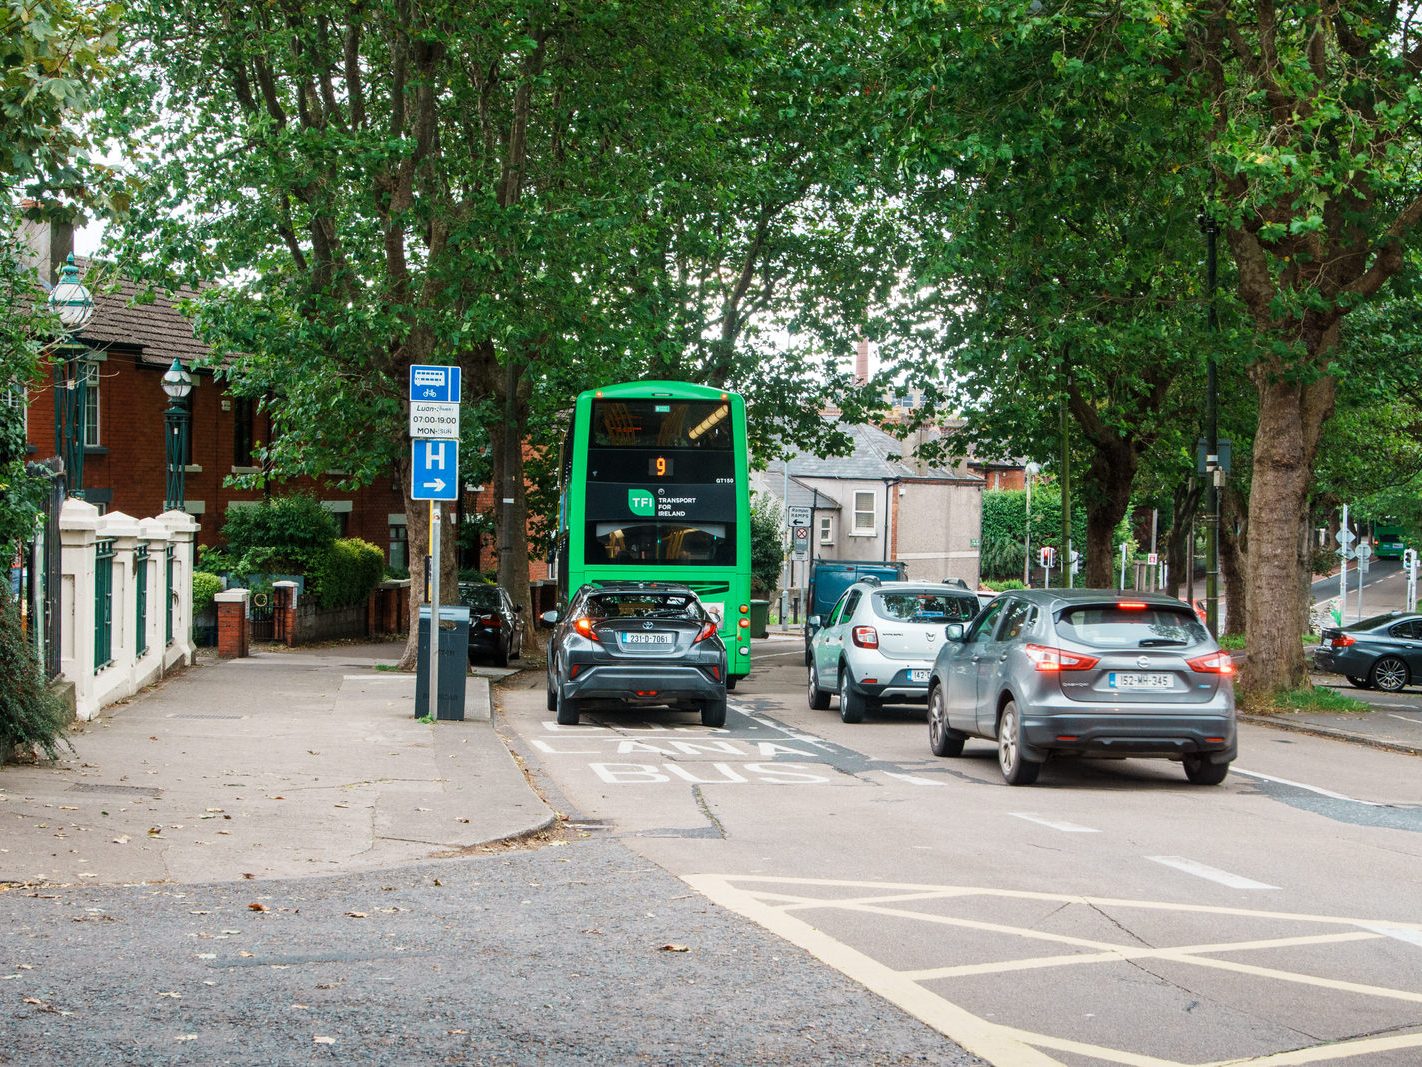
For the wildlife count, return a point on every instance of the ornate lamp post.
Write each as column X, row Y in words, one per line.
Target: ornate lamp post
column 74, row 305
column 177, row 383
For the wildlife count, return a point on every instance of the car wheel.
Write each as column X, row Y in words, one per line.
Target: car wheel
column 501, row 658
column 1201, row 771
column 1359, row 683
column 851, row 704
column 713, row 712
column 941, row 739
column 567, row 709
column 809, row 659
column 819, row 698
column 1389, row 674
column 731, row 680
column 552, row 700
column 1015, row 769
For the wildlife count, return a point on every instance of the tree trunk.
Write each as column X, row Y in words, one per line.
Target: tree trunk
column 1178, row 555
column 1291, row 418
column 1233, row 542
column 512, row 508
column 1111, row 472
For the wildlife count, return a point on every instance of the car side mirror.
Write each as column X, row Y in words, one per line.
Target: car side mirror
column 548, row 618
column 814, row 622
column 953, row 631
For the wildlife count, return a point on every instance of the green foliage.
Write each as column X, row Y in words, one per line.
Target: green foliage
column 1004, row 584
column 345, row 572
column 288, row 533
column 205, row 587
column 767, row 544
column 29, row 713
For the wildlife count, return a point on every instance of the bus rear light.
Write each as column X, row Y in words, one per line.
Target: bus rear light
column 584, row 626
column 709, row 630
column 745, row 609
column 1048, row 660
column 865, row 636
column 1213, row 663
column 745, row 624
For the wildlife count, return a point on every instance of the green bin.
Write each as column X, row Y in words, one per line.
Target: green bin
column 759, row 617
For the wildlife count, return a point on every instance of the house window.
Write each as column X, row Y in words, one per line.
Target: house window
column 91, row 404
column 864, row 511
column 244, row 417
column 399, row 545
column 826, row 525
column 15, row 397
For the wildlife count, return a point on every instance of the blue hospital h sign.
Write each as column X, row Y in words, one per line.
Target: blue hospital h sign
column 434, row 470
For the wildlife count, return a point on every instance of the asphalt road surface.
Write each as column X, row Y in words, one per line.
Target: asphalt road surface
column 1111, row 914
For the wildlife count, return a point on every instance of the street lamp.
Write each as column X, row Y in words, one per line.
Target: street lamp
column 177, row 383
column 1030, row 471
column 73, row 304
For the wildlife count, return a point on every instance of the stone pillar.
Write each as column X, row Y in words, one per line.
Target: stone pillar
column 284, row 612
column 182, row 533
column 232, row 629
column 150, row 665
column 116, row 681
column 78, row 523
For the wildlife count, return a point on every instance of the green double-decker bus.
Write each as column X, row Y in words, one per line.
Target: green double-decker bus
column 653, row 487
column 1389, row 540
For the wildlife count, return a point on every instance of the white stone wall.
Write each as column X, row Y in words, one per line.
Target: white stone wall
column 131, row 665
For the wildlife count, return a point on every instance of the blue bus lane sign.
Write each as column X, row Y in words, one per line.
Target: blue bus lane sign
column 439, row 385
column 434, row 470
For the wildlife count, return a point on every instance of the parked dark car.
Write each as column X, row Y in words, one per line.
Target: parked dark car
column 495, row 623
column 633, row 645
column 1384, row 652
column 1085, row 672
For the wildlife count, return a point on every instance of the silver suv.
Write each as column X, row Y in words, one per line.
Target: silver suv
column 1048, row 673
column 877, row 644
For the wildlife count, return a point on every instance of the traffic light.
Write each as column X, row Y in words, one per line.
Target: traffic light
column 1047, row 557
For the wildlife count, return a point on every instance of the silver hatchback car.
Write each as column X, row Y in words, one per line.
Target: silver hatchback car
column 1085, row 672
column 877, row 645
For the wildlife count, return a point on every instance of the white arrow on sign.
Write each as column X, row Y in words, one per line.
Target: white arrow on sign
column 437, row 485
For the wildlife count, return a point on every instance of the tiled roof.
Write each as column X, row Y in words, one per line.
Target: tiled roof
column 157, row 328
column 876, row 456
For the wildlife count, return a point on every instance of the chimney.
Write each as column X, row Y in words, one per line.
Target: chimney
column 861, row 362
column 46, row 243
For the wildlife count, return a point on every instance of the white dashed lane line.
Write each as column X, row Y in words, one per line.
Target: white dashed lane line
column 1213, row 874
column 1054, row 824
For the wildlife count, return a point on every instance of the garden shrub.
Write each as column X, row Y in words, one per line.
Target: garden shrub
column 30, row 714
column 288, row 533
column 345, row 573
column 205, row 588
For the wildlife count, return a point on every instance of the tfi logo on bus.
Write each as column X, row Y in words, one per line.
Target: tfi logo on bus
column 641, row 502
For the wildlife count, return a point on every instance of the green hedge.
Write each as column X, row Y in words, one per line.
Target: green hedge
column 1005, row 527
column 205, row 588
column 286, row 533
column 30, row 714
column 345, row 573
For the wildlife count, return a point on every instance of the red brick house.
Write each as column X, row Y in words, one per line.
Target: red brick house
column 130, row 345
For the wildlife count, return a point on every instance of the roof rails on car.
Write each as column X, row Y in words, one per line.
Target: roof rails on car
column 870, row 579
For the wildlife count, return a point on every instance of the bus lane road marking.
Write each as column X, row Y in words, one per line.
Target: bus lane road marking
column 638, row 752
column 1018, row 1032
column 1054, row 824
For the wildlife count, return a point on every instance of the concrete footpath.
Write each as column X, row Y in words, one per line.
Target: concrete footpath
column 283, row 764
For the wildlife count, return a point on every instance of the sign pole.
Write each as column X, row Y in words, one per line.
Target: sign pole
column 1343, row 571
column 434, row 611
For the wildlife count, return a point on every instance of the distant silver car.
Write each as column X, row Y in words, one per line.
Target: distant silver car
column 1085, row 672
column 877, row 645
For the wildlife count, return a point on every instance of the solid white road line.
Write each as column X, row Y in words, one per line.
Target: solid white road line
column 1054, row 824
column 1300, row 785
column 911, row 779
column 1404, row 718
column 1213, row 874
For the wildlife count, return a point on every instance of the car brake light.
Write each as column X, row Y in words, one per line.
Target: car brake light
column 1343, row 641
column 865, row 636
column 1046, row 659
column 709, row 630
column 584, row 626
column 491, row 621
column 1131, row 605
column 1213, row 663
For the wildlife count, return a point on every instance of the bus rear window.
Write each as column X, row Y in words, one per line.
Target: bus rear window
column 661, row 424
column 707, row 543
